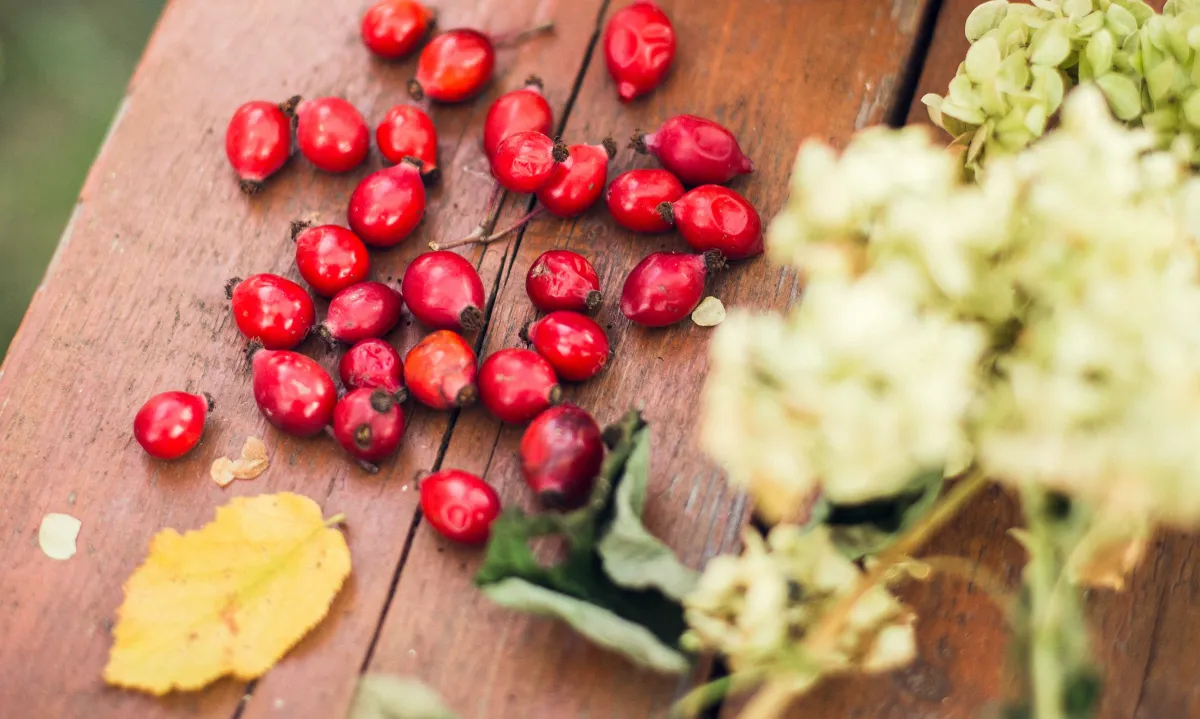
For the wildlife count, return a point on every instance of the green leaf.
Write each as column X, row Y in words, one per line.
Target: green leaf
column 984, row 18
column 1123, row 95
column 598, row 624
column 382, row 696
column 866, row 529
column 632, row 557
column 581, row 578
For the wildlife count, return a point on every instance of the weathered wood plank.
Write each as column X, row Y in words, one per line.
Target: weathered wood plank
column 775, row 73
column 133, row 305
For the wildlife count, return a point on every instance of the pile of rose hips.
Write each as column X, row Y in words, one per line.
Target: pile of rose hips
column 562, row 449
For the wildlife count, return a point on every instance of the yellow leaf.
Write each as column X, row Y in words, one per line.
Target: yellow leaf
column 229, row 598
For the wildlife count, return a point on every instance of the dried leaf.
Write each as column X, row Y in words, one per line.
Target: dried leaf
column 230, row 598
column 252, row 463
column 709, row 313
column 56, row 535
column 382, row 696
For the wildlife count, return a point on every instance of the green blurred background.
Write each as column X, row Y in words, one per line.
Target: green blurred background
column 64, row 65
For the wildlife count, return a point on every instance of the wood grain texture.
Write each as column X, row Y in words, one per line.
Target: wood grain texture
column 830, row 65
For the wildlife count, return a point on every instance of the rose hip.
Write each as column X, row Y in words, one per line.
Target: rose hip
column 271, row 309
column 712, row 217
column 697, row 151
column 366, row 310
column 444, row 291
column 639, row 45
column 373, row 364
column 517, row 111
column 406, row 131
column 457, row 64
column 563, row 280
column 561, row 452
column 368, row 424
column 666, row 286
column 575, row 345
column 387, row 205
column 329, row 258
column 170, row 424
column 332, row 134
column 459, row 505
column 516, row 385
column 393, row 28
column 258, row 141
column 634, row 197
column 440, row 371
column 293, row 392
column 524, row 162
column 577, row 182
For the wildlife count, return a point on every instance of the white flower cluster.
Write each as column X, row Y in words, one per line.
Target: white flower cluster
column 1024, row 57
column 1044, row 322
column 759, row 607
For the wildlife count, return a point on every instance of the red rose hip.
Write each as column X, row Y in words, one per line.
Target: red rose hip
column 517, row 384
column 665, row 287
column 517, row 111
column 293, row 392
column 440, row 371
column 712, row 217
column 406, row 131
column 329, row 258
column 444, row 291
column 578, row 181
column 575, row 345
column 639, row 46
column 271, row 309
column 394, row 28
column 332, row 134
column 634, row 197
column 258, row 141
column 368, row 424
column 455, row 66
column 170, row 424
column 373, row 364
column 525, row 161
column 368, row 309
column 459, row 505
column 563, row 280
column 561, row 452
column 696, row 150
column 387, row 205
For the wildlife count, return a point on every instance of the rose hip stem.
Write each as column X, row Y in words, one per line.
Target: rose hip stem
column 519, row 36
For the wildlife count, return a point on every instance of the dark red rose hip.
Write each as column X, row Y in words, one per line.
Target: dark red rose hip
column 517, row 111
column 271, row 309
column 516, row 385
column 368, row 309
column 639, row 45
column 712, row 217
column 575, row 345
column 369, row 424
column 444, row 291
column 440, row 371
column 170, row 424
column 332, row 134
column 578, row 181
column 696, row 150
column 293, row 392
column 459, row 505
column 329, row 258
column 406, row 131
column 373, row 364
column 258, row 141
column 665, row 287
column 387, row 205
column 561, row 452
column 563, row 280
column 525, row 161
column 634, row 197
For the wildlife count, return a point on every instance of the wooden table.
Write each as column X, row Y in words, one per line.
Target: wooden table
column 132, row 304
